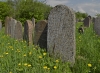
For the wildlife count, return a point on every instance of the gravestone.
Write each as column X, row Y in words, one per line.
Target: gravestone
column 13, row 24
column 28, row 32
column 8, row 25
column 0, row 25
column 61, row 33
column 86, row 22
column 18, row 34
column 97, row 26
column 40, row 34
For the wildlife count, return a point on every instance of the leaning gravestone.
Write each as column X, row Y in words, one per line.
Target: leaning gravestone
column 61, row 33
column 97, row 26
column 86, row 22
column 0, row 25
column 28, row 32
column 40, row 34
column 18, row 34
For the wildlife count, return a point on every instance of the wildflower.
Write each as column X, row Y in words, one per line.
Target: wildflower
column 1, row 56
column 10, row 72
column 45, row 67
column 29, row 65
column 19, row 64
column 48, row 68
column 40, row 57
column 6, row 53
column 33, row 48
column 44, row 53
column 55, row 67
column 30, row 53
column 57, row 61
column 25, row 64
column 89, row 65
column 24, row 55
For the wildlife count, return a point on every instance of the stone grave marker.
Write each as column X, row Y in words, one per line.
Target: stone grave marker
column 8, row 25
column 40, row 34
column 18, row 34
column 86, row 22
column 13, row 23
column 61, row 33
column 28, row 32
column 97, row 26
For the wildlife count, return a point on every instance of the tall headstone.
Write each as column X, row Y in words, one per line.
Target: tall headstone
column 18, row 34
column 40, row 34
column 0, row 25
column 87, row 22
column 28, row 32
column 97, row 26
column 13, row 23
column 8, row 25
column 61, row 33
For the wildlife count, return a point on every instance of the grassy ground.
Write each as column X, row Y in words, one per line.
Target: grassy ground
column 17, row 57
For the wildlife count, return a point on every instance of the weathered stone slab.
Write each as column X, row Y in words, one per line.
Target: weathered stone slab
column 13, row 23
column 97, row 26
column 28, row 32
column 0, row 25
column 61, row 33
column 8, row 25
column 18, row 34
column 87, row 22
column 40, row 34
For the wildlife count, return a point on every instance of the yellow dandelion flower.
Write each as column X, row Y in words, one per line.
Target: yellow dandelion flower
column 40, row 57
column 1, row 56
column 55, row 67
column 19, row 64
column 45, row 67
column 48, row 68
column 33, row 48
column 10, row 72
column 30, row 53
column 8, row 43
column 89, row 65
column 6, row 53
column 24, row 55
column 29, row 65
column 44, row 53
column 25, row 64
column 57, row 61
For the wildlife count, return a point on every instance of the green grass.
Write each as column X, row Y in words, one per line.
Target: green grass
column 17, row 57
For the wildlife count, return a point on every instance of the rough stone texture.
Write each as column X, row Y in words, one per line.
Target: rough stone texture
column 13, row 24
column 8, row 25
column 40, row 34
column 28, row 32
column 86, row 22
column 61, row 33
column 0, row 25
column 97, row 26
column 18, row 34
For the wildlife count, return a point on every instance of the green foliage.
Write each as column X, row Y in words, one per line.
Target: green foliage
column 4, row 10
column 87, row 51
column 80, row 15
column 27, row 9
column 17, row 57
column 98, row 15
